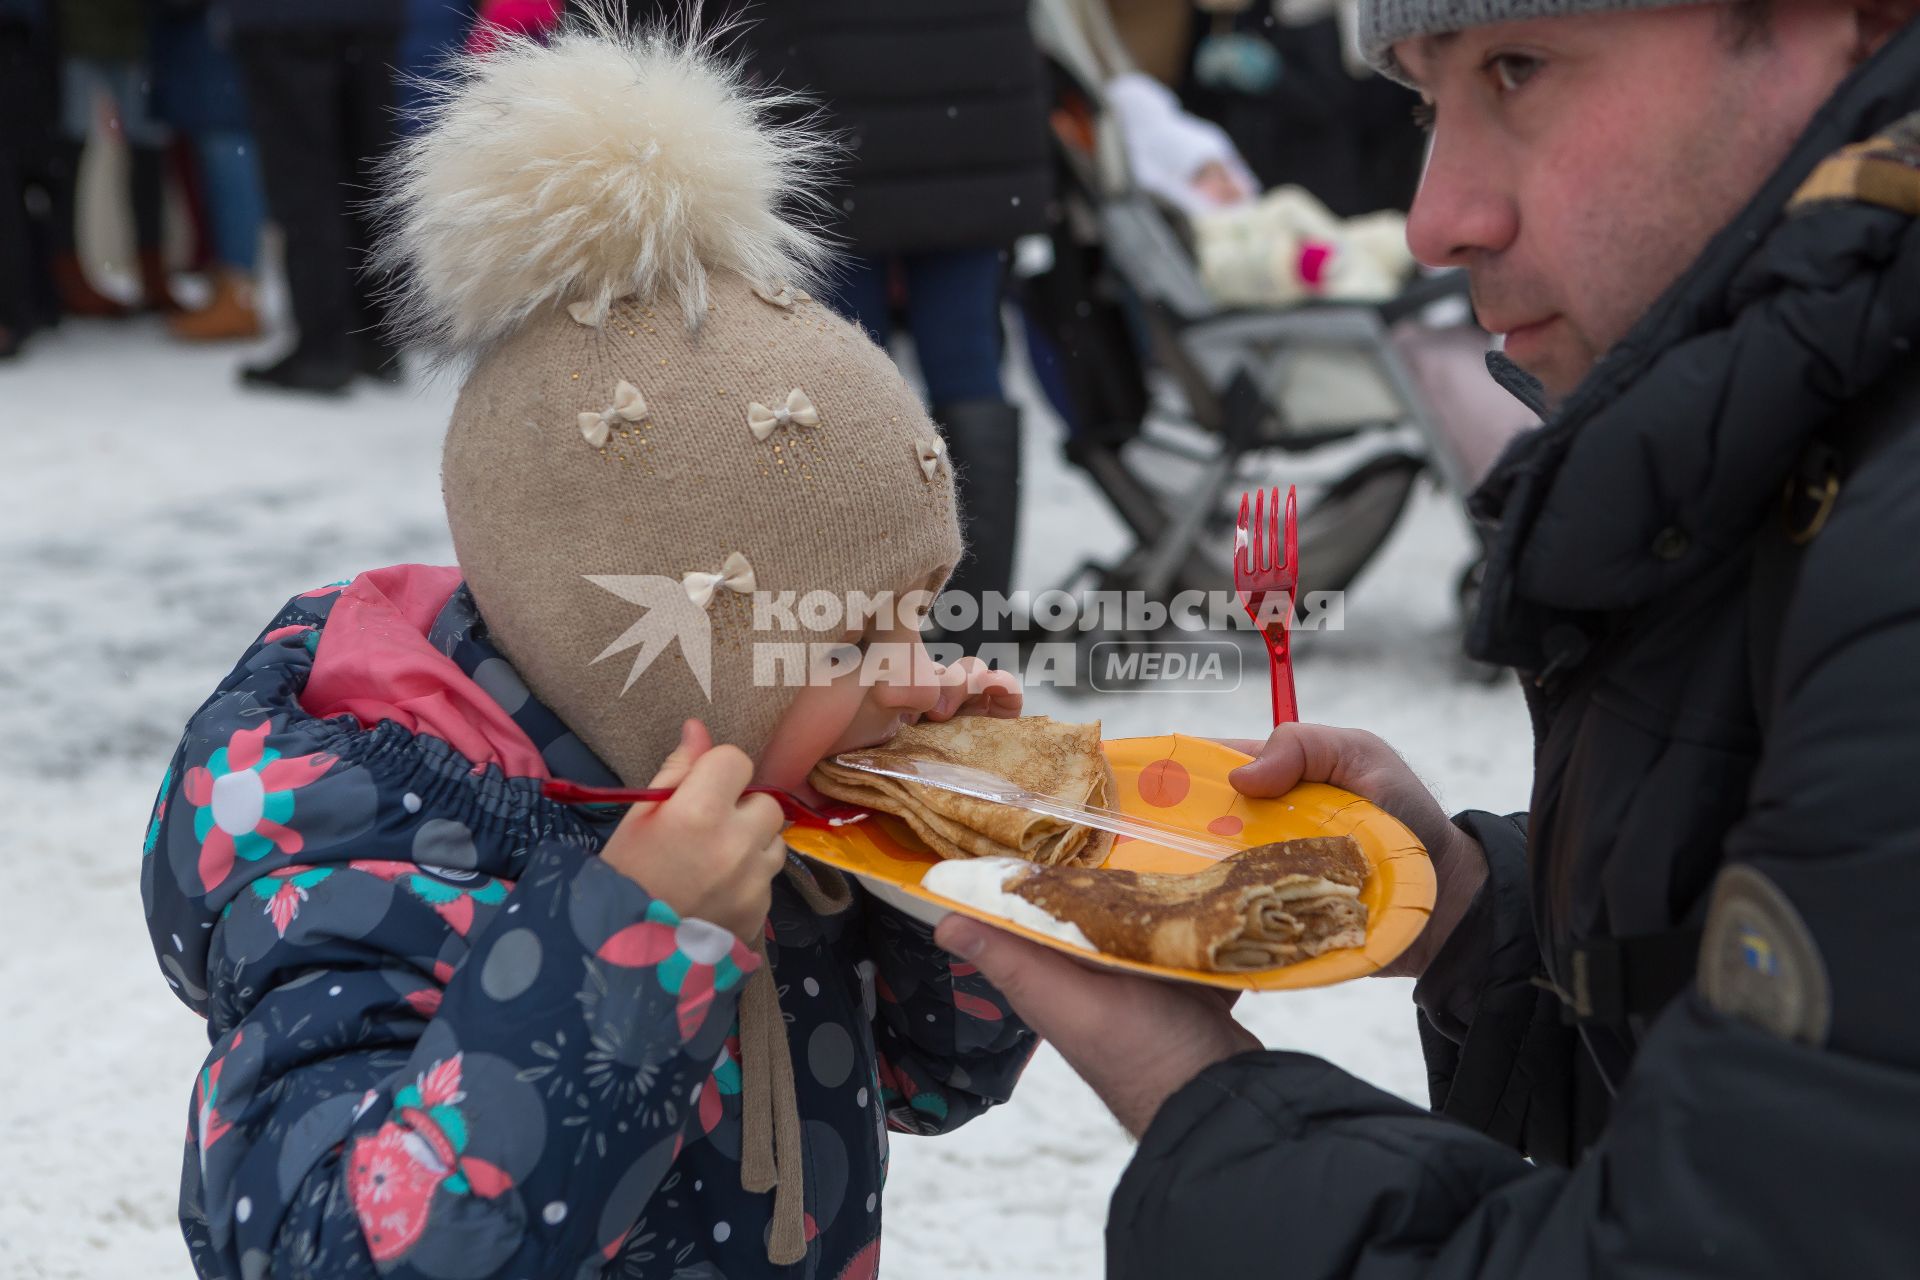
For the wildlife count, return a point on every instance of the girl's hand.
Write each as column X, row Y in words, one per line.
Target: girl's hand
column 708, row 852
column 971, row 688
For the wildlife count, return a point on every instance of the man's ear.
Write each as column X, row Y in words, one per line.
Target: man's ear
column 1880, row 21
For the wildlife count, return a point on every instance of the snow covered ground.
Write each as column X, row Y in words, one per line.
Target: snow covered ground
column 152, row 517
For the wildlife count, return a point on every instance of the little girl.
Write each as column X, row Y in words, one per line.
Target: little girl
column 459, row 1029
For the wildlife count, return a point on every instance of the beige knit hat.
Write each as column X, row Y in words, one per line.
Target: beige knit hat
column 604, row 227
column 597, row 227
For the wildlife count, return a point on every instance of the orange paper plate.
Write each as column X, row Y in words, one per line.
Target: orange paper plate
column 1182, row 781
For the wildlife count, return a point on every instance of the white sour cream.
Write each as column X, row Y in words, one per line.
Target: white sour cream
column 980, row 882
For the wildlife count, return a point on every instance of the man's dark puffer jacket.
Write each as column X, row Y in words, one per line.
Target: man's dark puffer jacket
column 1693, row 745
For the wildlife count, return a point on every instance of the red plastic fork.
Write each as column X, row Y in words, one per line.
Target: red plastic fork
column 1263, row 566
column 797, row 811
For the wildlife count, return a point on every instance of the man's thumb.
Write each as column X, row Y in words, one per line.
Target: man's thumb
column 1012, row 964
column 1281, row 766
column 964, row 937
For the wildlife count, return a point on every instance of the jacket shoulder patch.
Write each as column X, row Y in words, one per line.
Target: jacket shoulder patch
column 1759, row 962
column 1884, row 170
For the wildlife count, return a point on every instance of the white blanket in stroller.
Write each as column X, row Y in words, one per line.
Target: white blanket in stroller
column 1287, row 248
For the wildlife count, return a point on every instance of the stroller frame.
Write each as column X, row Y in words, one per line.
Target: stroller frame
column 1116, row 248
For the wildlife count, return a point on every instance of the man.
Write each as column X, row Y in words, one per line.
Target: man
column 1684, row 984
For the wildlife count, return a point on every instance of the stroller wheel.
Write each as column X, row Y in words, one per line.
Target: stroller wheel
column 1342, row 532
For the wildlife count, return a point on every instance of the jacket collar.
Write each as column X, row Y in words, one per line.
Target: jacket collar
column 1660, row 465
column 459, row 632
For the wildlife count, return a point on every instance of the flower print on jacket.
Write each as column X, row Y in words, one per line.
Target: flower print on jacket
column 722, row 1082
column 284, row 890
column 242, row 801
column 453, row 894
column 391, row 1177
column 695, row 958
column 209, row 1125
column 159, row 813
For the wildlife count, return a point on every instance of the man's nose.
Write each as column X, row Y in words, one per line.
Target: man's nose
column 1463, row 210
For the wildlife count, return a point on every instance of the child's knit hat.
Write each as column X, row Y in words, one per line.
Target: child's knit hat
column 604, row 227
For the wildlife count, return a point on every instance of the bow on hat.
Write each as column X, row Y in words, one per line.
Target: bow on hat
column 797, row 413
column 782, row 294
column 628, row 406
column 735, row 575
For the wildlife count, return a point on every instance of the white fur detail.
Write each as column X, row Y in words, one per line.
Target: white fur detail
column 610, row 162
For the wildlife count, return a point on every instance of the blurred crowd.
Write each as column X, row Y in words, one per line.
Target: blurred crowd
column 192, row 127
column 237, row 114
column 231, row 115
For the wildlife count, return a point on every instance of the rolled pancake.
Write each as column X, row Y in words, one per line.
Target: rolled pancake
column 1061, row 761
column 1259, row 909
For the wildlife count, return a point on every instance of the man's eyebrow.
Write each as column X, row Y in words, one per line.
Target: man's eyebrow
column 1427, row 50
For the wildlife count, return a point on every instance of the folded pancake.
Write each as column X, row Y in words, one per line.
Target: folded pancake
column 1061, row 761
column 1259, row 909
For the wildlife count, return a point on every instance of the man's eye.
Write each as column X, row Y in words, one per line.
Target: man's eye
column 1511, row 70
column 1425, row 116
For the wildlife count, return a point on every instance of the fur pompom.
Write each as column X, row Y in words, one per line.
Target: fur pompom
column 609, row 162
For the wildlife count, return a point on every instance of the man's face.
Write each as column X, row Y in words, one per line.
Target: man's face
column 1580, row 164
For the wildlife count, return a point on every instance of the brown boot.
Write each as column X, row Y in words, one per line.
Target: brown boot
column 155, row 288
column 228, row 316
column 78, row 297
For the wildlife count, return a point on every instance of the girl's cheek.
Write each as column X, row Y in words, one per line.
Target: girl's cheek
column 855, row 720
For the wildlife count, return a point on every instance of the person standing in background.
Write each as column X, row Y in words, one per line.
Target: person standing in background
column 943, row 107
column 196, row 90
column 28, row 94
column 319, row 85
column 103, row 51
column 434, row 29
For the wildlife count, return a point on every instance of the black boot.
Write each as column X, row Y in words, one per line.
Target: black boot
column 983, row 442
column 303, row 369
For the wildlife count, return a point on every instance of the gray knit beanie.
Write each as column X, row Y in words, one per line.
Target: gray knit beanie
column 1385, row 23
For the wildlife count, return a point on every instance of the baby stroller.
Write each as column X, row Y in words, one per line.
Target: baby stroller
column 1176, row 405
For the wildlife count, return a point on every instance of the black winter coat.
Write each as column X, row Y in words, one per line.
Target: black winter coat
column 385, row 16
column 941, row 103
column 1711, row 732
